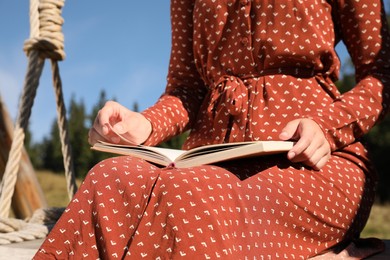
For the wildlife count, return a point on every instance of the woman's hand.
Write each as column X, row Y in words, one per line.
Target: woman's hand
column 311, row 148
column 117, row 124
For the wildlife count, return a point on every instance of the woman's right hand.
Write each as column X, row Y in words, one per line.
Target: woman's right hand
column 311, row 147
column 115, row 123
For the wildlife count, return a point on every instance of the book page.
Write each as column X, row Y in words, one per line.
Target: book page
column 171, row 154
column 145, row 152
column 224, row 152
column 201, row 155
column 207, row 149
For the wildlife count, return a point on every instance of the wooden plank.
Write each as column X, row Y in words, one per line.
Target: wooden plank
column 20, row 251
column 28, row 195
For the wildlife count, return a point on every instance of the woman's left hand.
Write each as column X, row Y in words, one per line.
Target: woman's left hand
column 311, row 147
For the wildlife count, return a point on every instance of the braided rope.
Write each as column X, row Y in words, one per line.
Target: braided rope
column 46, row 29
column 46, row 41
column 7, row 187
column 38, row 226
column 64, row 136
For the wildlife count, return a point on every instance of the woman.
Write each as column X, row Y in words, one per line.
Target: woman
column 243, row 70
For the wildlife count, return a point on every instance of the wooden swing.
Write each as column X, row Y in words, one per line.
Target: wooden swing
column 45, row 42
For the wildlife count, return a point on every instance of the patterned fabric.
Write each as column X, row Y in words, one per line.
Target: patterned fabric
column 240, row 70
column 264, row 207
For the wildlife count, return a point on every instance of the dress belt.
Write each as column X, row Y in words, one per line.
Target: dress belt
column 230, row 91
column 229, row 106
column 228, row 98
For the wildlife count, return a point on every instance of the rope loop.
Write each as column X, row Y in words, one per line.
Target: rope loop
column 46, row 41
column 14, row 230
column 49, row 40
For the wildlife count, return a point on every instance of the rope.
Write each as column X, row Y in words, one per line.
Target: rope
column 46, row 41
column 46, row 29
column 64, row 136
column 7, row 187
column 14, row 230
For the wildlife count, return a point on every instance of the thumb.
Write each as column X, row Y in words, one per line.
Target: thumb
column 290, row 130
column 119, row 128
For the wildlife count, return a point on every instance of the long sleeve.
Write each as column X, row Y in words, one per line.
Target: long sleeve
column 178, row 107
column 363, row 27
column 360, row 24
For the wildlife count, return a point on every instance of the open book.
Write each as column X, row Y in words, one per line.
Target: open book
column 201, row 155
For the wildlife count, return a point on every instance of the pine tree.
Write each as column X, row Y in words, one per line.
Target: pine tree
column 51, row 150
column 33, row 149
column 78, row 135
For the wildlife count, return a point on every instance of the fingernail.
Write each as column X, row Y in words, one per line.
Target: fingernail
column 105, row 129
column 283, row 135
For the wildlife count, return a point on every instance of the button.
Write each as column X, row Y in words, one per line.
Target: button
column 244, row 41
column 244, row 2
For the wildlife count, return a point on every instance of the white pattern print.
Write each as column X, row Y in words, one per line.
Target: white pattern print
column 240, row 70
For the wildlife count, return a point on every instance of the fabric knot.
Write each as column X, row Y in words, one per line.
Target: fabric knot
column 46, row 30
column 227, row 107
column 229, row 92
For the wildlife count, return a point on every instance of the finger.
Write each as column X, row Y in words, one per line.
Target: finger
column 121, row 132
column 109, row 114
column 305, row 148
column 296, row 154
column 318, row 159
column 104, row 117
column 289, row 131
column 119, row 128
column 309, row 141
column 320, row 162
column 313, row 160
column 94, row 137
column 99, row 125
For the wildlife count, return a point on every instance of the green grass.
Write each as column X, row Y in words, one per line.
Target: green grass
column 54, row 187
column 378, row 224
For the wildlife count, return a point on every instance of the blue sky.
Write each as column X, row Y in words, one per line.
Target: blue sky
column 121, row 47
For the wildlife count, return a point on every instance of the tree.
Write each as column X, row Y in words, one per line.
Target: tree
column 78, row 135
column 378, row 141
column 33, row 150
column 51, row 150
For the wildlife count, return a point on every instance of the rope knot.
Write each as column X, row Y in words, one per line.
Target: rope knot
column 46, row 35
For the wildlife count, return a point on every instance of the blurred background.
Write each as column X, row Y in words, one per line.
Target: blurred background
column 120, row 51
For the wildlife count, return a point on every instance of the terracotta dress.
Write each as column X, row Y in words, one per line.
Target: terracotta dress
column 240, row 70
